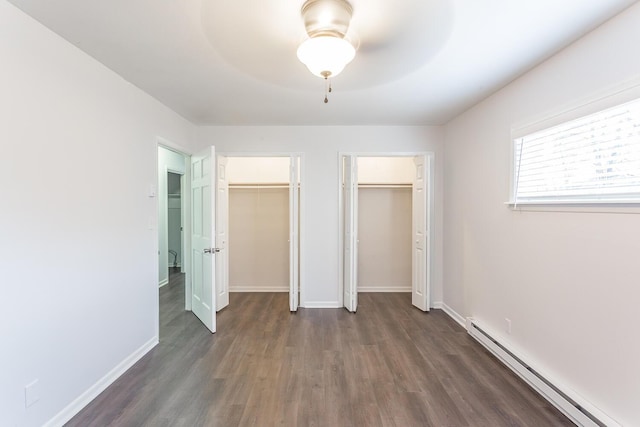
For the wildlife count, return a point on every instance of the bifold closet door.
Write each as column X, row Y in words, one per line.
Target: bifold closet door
column 419, row 288
column 222, row 234
column 294, row 238
column 350, row 238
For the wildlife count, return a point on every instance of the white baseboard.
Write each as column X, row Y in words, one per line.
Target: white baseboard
column 163, row 282
column 259, row 288
column 384, row 289
column 450, row 312
column 85, row 398
column 322, row 304
column 576, row 408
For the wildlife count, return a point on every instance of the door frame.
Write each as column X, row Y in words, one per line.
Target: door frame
column 429, row 157
column 301, row 207
column 186, row 209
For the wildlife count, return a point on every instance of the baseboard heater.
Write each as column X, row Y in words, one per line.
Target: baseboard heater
column 575, row 411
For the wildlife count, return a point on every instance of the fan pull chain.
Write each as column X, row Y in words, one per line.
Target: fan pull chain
column 327, row 89
column 327, row 85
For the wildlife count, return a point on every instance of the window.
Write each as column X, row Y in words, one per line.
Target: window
column 595, row 158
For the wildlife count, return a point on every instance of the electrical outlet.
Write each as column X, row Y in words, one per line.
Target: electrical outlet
column 507, row 325
column 31, row 393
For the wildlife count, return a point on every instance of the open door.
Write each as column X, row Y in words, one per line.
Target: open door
column 202, row 236
column 419, row 285
column 222, row 234
column 350, row 252
column 294, row 202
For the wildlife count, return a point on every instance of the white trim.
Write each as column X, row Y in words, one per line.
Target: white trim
column 186, row 212
column 451, row 313
column 551, row 389
column 301, row 208
column 302, row 288
column 430, row 210
column 322, row 304
column 169, row 145
column 92, row 392
column 164, row 283
column 564, row 207
column 254, row 288
column 601, row 100
column 384, row 288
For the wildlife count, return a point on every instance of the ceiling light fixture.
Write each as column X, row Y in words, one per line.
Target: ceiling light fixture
column 326, row 52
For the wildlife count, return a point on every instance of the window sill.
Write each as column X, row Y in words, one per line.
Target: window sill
column 604, row 206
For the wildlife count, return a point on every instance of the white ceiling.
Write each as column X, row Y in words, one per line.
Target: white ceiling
column 234, row 62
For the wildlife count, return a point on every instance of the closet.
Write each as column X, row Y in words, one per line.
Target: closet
column 260, row 224
column 384, row 223
column 385, row 212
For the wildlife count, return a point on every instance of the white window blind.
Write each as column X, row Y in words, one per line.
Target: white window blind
column 595, row 158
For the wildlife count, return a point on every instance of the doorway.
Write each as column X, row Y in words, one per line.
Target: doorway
column 171, row 213
column 264, row 194
column 385, row 216
column 173, row 199
column 175, row 220
column 205, row 220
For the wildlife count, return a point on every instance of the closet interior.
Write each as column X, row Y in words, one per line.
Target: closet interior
column 385, row 186
column 259, row 207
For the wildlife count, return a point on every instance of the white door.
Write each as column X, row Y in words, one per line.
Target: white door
column 202, row 236
column 294, row 201
column 419, row 285
column 222, row 234
column 350, row 271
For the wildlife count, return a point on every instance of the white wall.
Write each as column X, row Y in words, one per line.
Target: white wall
column 386, row 170
column 79, row 291
column 568, row 281
column 168, row 161
column 320, row 146
column 258, row 170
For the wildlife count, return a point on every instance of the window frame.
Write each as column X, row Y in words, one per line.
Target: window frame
column 608, row 98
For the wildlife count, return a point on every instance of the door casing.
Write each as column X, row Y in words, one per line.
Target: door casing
column 429, row 162
column 186, row 209
column 301, row 210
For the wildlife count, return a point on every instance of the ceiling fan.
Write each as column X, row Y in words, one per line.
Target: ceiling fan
column 376, row 40
column 328, row 49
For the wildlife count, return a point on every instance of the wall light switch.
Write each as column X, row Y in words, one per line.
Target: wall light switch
column 31, row 393
column 152, row 190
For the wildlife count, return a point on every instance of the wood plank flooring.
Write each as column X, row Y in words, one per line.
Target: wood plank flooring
column 387, row 365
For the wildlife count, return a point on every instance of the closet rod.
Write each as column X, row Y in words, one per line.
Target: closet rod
column 371, row 185
column 260, row 185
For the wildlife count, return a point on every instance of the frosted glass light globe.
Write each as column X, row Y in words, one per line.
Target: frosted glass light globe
column 326, row 56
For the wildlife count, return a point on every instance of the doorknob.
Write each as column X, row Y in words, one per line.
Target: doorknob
column 210, row 250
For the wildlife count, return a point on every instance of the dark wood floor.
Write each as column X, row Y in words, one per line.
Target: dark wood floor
column 387, row 365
